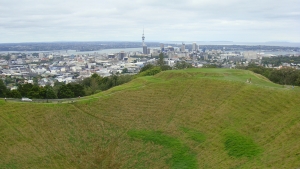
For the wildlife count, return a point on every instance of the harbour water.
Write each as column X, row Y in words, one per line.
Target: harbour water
column 107, row 51
column 117, row 50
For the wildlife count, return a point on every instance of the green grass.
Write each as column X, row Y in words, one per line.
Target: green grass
column 8, row 166
column 207, row 118
column 194, row 135
column 181, row 155
column 238, row 145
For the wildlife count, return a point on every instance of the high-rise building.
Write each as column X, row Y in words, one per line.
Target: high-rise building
column 148, row 51
column 122, row 55
column 182, row 47
column 162, row 47
column 194, row 47
column 145, row 51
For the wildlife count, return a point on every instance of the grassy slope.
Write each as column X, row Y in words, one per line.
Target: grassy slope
column 203, row 117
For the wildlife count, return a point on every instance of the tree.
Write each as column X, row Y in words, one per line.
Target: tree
column 284, row 76
column 51, row 94
column 25, row 89
column 64, row 92
column 78, row 90
column 114, row 80
column 125, row 70
column 160, row 61
column 94, row 85
column 34, row 94
column 165, row 67
column 5, row 57
column 3, row 89
column 124, row 79
column 15, row 94
column 182, row 65
column 150, row 72
column 146, row 67
column 47, row 92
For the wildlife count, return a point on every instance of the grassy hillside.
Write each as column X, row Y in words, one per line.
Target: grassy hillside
column 195, row 118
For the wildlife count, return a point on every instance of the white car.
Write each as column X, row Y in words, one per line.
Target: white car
column 24, row 99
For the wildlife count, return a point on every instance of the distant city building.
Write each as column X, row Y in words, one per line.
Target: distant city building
column 155, row 52
column 250, row 55
column 13, row 57
column 41, row 55
column 145, row 50
column 148, row 51
column 182, row 47
column 170, row 48
column 111, row 56
column 162, row 47
column 194, row 47
column 122, row 55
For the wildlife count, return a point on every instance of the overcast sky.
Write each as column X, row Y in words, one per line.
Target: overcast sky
column 163, row 20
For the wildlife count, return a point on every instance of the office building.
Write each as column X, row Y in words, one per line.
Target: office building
column 182, row 49
column 194, row 47
column 122, row 55
column 145, row 50
column 162, row 47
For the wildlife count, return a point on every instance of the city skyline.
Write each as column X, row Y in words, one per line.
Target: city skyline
column 91, row 20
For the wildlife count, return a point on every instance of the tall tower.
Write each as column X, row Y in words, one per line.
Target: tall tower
column 143, row 38
column 145, row 50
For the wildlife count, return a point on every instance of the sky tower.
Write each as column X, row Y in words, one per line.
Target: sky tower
column 143, row 38
column 145, row 50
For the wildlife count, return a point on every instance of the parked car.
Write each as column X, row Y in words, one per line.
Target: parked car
column 24, row 99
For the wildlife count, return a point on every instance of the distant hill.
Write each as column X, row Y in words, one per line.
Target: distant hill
column 193, row 118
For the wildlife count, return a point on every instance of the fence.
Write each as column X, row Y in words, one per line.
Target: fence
column 69, row 100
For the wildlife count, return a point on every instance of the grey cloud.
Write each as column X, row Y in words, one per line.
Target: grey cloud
column 163, row 20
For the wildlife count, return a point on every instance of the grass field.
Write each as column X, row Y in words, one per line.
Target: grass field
column 194, row 118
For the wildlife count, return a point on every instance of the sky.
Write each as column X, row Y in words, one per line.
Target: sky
column 162, row 20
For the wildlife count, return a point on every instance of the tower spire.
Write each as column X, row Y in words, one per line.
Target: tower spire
column 143, row 38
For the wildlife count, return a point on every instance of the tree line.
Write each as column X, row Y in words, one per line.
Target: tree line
column 278, row 60
column 60, row 90
column 283, row 76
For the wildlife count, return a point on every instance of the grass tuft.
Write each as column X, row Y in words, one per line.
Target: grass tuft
column 9, row 166
column 238, row 145
column 194, row 135
column 2, row 102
